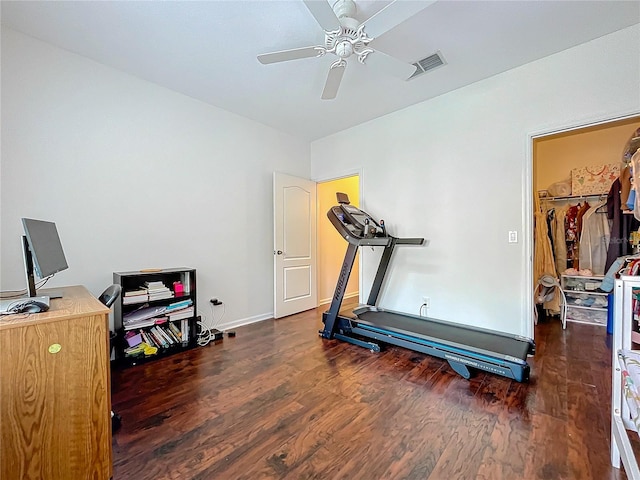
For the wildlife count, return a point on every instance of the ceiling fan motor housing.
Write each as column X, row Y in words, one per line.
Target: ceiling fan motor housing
column 344, row 8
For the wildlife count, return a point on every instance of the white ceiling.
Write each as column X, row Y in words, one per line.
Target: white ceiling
column 207, row 50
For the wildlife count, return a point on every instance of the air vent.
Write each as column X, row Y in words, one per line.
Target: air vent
column 427, row 64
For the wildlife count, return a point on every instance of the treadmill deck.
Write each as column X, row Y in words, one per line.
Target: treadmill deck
column 486, row 342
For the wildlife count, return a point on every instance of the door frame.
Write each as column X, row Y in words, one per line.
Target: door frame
column 527, row 191
column 346, row 174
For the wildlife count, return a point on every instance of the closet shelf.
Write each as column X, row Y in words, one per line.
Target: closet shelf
column 585, row 307
column 586, row 292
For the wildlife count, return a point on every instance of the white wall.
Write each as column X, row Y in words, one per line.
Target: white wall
column 136, row 176
column 454, row 170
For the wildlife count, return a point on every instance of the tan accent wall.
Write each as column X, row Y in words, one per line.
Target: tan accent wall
column 556, row 155
column 331, row 246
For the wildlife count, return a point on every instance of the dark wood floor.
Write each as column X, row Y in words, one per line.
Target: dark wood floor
column 279, row 402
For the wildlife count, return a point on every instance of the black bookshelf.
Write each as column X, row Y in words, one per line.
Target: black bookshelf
column 127, row 303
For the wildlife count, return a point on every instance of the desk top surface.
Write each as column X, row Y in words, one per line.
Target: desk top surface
column 75, row 302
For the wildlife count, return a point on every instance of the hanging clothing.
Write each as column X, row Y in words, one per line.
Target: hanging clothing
column 560, row 244
column 594, row 240
column 622, row 224
column 543, row 255
column 571, row 236
column 551, row 223
column 625, row 187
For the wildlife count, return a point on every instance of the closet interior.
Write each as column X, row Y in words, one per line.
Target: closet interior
column 586, row 217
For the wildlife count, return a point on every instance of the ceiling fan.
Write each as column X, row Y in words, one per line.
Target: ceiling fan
column 345, row 36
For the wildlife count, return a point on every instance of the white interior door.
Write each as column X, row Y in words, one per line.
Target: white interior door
column 294, row 247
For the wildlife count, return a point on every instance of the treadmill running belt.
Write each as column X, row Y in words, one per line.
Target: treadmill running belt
column 446, row 333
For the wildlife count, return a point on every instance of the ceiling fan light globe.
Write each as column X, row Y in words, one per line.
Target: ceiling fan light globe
column 344, row 49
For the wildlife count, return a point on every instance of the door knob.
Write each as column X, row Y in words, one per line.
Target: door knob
column 279, row 252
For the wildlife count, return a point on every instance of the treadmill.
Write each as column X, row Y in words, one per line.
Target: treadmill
column 465, row 348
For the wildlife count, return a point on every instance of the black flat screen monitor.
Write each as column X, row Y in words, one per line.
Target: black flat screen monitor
column 42, row 251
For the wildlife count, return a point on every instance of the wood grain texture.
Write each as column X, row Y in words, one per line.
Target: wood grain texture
column 55, row 421
column 278, row 402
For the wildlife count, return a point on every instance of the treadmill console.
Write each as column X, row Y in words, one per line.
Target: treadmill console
column 354, row 221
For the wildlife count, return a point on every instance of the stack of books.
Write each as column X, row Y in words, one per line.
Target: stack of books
column 179, row 310
column 158, row 290
column 135, row 296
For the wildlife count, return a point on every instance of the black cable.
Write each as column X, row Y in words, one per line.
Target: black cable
column 19, row 293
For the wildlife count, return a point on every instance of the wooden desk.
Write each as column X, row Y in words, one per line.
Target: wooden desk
column 55, row 391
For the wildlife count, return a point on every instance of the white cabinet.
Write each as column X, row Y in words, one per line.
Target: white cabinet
column 627, row 312
column 585, row 302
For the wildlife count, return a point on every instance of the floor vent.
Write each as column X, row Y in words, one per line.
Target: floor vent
column 427, row 64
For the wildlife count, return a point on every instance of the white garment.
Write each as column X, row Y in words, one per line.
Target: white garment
column 594, row 239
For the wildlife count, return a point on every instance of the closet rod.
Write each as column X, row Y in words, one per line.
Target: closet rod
column 574, row 197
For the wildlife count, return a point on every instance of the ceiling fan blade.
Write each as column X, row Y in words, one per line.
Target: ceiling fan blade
column 323, row 13
column 286, row 55
column 390, row 65
column 392, row 15
column 333, row 81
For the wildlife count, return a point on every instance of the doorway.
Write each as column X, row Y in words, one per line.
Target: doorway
column 331, row 246
column 554, row 156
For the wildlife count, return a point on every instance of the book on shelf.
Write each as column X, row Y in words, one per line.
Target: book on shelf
column 160, row 295
column 184, row 327
column 146, row 322
column 160, row 341
column 133, row 299
column 165, row 332
column 176, row 332
column 147, row 339
column 181, row 314
column 165, row 335
column 134, row 293
column 172, row 307
column 142, row 314
column 157, row 288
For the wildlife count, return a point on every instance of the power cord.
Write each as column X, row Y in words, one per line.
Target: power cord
column 207, row 333
column 423, row 307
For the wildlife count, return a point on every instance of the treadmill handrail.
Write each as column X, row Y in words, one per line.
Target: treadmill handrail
column 409, row 241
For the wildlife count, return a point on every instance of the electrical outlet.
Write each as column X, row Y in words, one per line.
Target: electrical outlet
column 426, row 302
column 513, row 236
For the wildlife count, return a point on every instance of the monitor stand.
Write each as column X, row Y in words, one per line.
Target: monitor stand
column 52, row 292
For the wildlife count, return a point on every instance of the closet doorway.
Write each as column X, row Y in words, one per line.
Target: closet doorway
column 331, row 246
column 590, row 154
